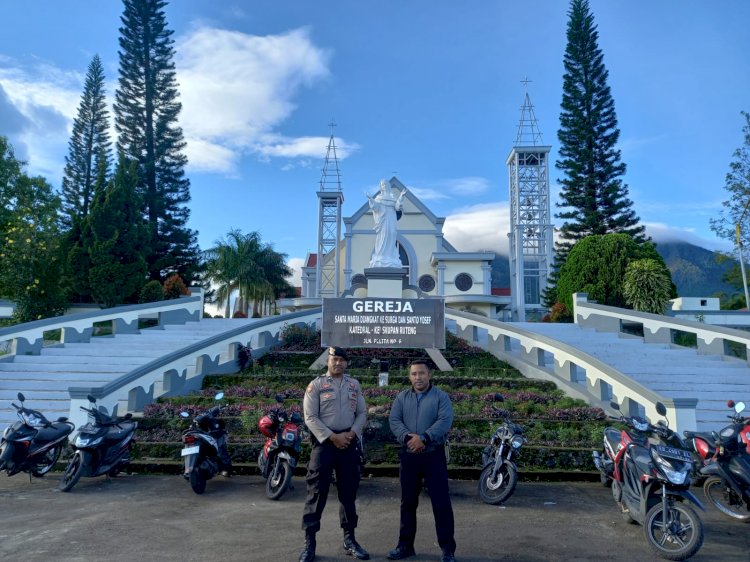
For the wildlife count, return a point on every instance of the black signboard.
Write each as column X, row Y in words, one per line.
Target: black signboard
column 383, row 322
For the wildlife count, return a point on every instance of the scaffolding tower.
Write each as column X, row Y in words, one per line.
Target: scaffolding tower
column 330, row 199
column 531, row 229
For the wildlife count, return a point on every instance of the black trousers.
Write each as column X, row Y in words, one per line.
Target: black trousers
column 433, row 469
column 324, row 459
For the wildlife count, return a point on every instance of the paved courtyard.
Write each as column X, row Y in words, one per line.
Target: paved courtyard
column 147, row 518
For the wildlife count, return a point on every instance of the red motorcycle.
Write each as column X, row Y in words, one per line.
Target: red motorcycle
column 649, row 470
column 280, row 454
column 703, row 444
column 728, row 470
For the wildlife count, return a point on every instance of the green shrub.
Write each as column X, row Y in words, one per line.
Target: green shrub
column 151, row 292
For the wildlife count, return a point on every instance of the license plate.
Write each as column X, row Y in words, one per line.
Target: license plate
column 671, row 452
column 191, row 450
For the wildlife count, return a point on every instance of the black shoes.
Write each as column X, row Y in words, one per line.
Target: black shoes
column 308, row 554
column 448, row 557
column 401, row 551
column 353, row 548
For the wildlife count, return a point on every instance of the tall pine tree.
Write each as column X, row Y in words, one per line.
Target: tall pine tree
column 89, row 149
column 146, row 111
column 87, row 167
column 118, row 270
column 593, row 199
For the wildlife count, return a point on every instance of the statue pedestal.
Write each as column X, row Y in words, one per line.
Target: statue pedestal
column 385, row 282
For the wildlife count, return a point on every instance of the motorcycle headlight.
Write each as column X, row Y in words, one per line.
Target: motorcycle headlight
column 675, row 474
column 516, row 441
column 88, row 440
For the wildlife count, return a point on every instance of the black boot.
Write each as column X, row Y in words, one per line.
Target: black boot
column 352, row 547
column 308, row 554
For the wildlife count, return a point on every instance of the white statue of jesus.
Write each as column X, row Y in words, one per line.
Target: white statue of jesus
column 384, row 207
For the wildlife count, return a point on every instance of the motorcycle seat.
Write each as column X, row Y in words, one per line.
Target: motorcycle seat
column 119, row 432
column 700, row 434
column 52, row 432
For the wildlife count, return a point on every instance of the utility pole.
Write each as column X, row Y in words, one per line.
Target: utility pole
column 738, row 233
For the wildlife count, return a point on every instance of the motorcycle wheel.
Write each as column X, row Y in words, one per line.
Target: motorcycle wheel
column 679, row 537
column 726, row 500
column 497, row 491
column 73, row 472
column 278, row 481
column 197, row 481
column 48, row 462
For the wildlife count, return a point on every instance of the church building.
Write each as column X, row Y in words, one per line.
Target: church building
column 432, row 266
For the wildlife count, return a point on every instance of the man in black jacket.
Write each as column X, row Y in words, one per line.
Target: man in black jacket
column 420, row 419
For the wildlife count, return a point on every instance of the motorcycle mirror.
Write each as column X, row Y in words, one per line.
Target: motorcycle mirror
column 128, row 416
column 661, row 409
column 21, row 397
column 739, row 407
column 91, row 399
column 614, row 405
column 279, row 398
column 184, row 415
column 498, row 397
column 219, row 396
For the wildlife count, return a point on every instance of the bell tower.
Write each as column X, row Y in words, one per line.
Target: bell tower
column 330, row 199
column 531, row 229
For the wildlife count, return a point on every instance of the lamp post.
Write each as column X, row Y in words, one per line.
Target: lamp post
column 738, row 233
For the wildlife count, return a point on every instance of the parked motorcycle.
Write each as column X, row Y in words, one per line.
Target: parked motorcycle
column 280, row 454
column 703, row 445
column 728, row 485
column 32, row 444
column 499, row 470
column 650, row 469
column 205, row 451
column 102, row 446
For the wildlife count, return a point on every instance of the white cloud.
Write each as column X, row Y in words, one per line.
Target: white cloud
column 47, row 98
column 236, row 89
column 295, row 264
column 309, row 147
column 479, row 227
column 427, row 194
column 661, row 232
column 468, row 186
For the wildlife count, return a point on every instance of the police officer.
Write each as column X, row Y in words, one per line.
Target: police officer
column 420, row 419
column 335, row 414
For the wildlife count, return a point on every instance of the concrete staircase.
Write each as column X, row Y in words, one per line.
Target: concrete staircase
column 44, row 379
column 668, row 370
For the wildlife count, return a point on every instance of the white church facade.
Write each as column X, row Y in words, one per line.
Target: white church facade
column 433, row 268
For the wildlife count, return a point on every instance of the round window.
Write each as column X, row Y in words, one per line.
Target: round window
column 427, row 283
column 463, row 282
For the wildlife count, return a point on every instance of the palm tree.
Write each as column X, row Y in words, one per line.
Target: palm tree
column 231, row 264
column 275, row 272
column 242, row 263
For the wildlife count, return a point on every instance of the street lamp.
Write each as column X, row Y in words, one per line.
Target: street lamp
column 742, row 259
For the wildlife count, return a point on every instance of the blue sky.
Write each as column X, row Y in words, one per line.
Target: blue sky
column 427, row 89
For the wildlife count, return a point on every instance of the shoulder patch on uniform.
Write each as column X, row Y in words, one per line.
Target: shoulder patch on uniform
column 309, row 388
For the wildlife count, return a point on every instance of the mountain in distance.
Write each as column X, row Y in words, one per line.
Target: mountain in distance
column 695, row 270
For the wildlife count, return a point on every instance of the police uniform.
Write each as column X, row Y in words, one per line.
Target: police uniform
column 332, row 405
